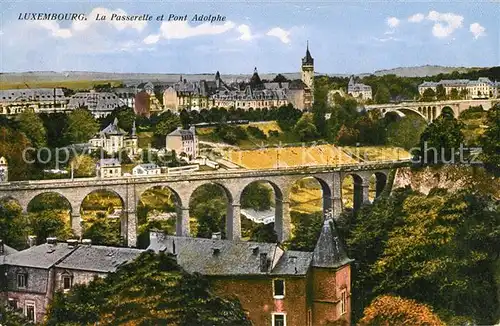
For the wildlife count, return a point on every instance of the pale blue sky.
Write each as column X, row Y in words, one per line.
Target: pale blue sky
column 344, row 37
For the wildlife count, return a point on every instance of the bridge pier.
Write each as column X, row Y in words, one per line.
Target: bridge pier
column 365, row 191
column 233, row 222
column 131, row 222
column 282, row 221
column 76, row 224
column 182, row 224
column 337, row 195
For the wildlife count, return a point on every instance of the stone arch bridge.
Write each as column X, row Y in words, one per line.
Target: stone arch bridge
column 129, row 189
column 430, row 110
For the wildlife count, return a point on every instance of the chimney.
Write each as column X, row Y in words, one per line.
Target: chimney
column 87, row 242
column 263, row 262
column 216, row 236
column 52, row 240
column 31, row 240
column 72, row 243
column 2, row 249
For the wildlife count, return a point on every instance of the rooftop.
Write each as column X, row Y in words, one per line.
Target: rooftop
column 99, row 258
column 41, row 256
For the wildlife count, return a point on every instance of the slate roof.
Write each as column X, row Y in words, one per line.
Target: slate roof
column 35, row 94
column 6, row 251
column 106, row 162
column 99, row 258
column 308, row 59
column 148, row 166
column 457, row 82
column 329, row 251
column 112, row 129
column 42, row 256
column 95, row 101
column 184, row 133
column 232, row 257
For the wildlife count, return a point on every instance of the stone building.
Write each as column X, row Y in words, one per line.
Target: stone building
column 473, row 89
column 112, row 139
column 188, row 95
column 108, row 168
column 358, row 90
column 183, row 141
column 32, row 276
column 41, row 100
column 275, row 286
column 100, row 104
column 146, row 169
column 4, row 170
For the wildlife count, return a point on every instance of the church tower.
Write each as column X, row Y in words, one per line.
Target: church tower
column 308, row 70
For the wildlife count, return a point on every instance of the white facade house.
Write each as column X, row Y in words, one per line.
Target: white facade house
column 146, row 169
column 358, row 90
column 109, row 168
column 112, row 139
column 481, row 88
column 4, row 170
column 183, row 141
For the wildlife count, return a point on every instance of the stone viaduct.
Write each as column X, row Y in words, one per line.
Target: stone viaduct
column 129, row 189
column 430, row 110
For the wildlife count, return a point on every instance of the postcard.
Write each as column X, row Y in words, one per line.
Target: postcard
column 249, row 162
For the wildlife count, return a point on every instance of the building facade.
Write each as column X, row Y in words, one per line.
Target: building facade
column 100, row 104
column 464, row 88
column 146, row 169
column 32, row 276
column 275, row 286
column 183, row 141
column 40, row 100
column 358, row 90
column 108, row 168
column 113, row 139
column 4, row 169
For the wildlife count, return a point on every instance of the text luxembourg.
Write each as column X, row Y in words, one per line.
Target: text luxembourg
column 51, row 16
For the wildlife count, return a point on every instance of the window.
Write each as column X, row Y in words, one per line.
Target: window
column 309, row 317
column 22, row 280
column 66, row 283
column 279, row 319
column 343, row 302
column 12, row 303
column 29, row 310
column 279, row 289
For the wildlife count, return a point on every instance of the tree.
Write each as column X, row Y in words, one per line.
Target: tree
column 32, row 126
column 83, row 166
column 256, row 196
column 162, row 294
column 490, row 141
column 382, row 95
column 405, row 132
column 167, row 122
column 428, row 95
column 280, row 79
column 49, row 223
column 319, row 112
column 347, row 136
column 12, row 318
column 441, row 140
column 264, row 233
column 389, row 310
column 307, row 228
column 13, row 225
column 454, row 94
column 305, row 128
column 463, row 93
column 440, row 93
column 55, row 124
column 185, row 119
column 81, row 126
column 439, row 249
column 13, row 145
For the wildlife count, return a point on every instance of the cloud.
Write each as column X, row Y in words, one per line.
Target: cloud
column 417, row 18
column 280, row 33
column 54, row 28
column 451, row 23
column 182, row 30
column 246, row 34
column 393, row 22
column 477, row 30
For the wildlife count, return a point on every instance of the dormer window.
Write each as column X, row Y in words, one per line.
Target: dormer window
column 22, row 280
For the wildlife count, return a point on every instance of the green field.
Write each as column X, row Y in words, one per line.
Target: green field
column 71, row 84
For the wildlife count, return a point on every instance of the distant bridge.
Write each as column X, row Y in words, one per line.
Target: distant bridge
column 431, row 110
column 130, row 189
